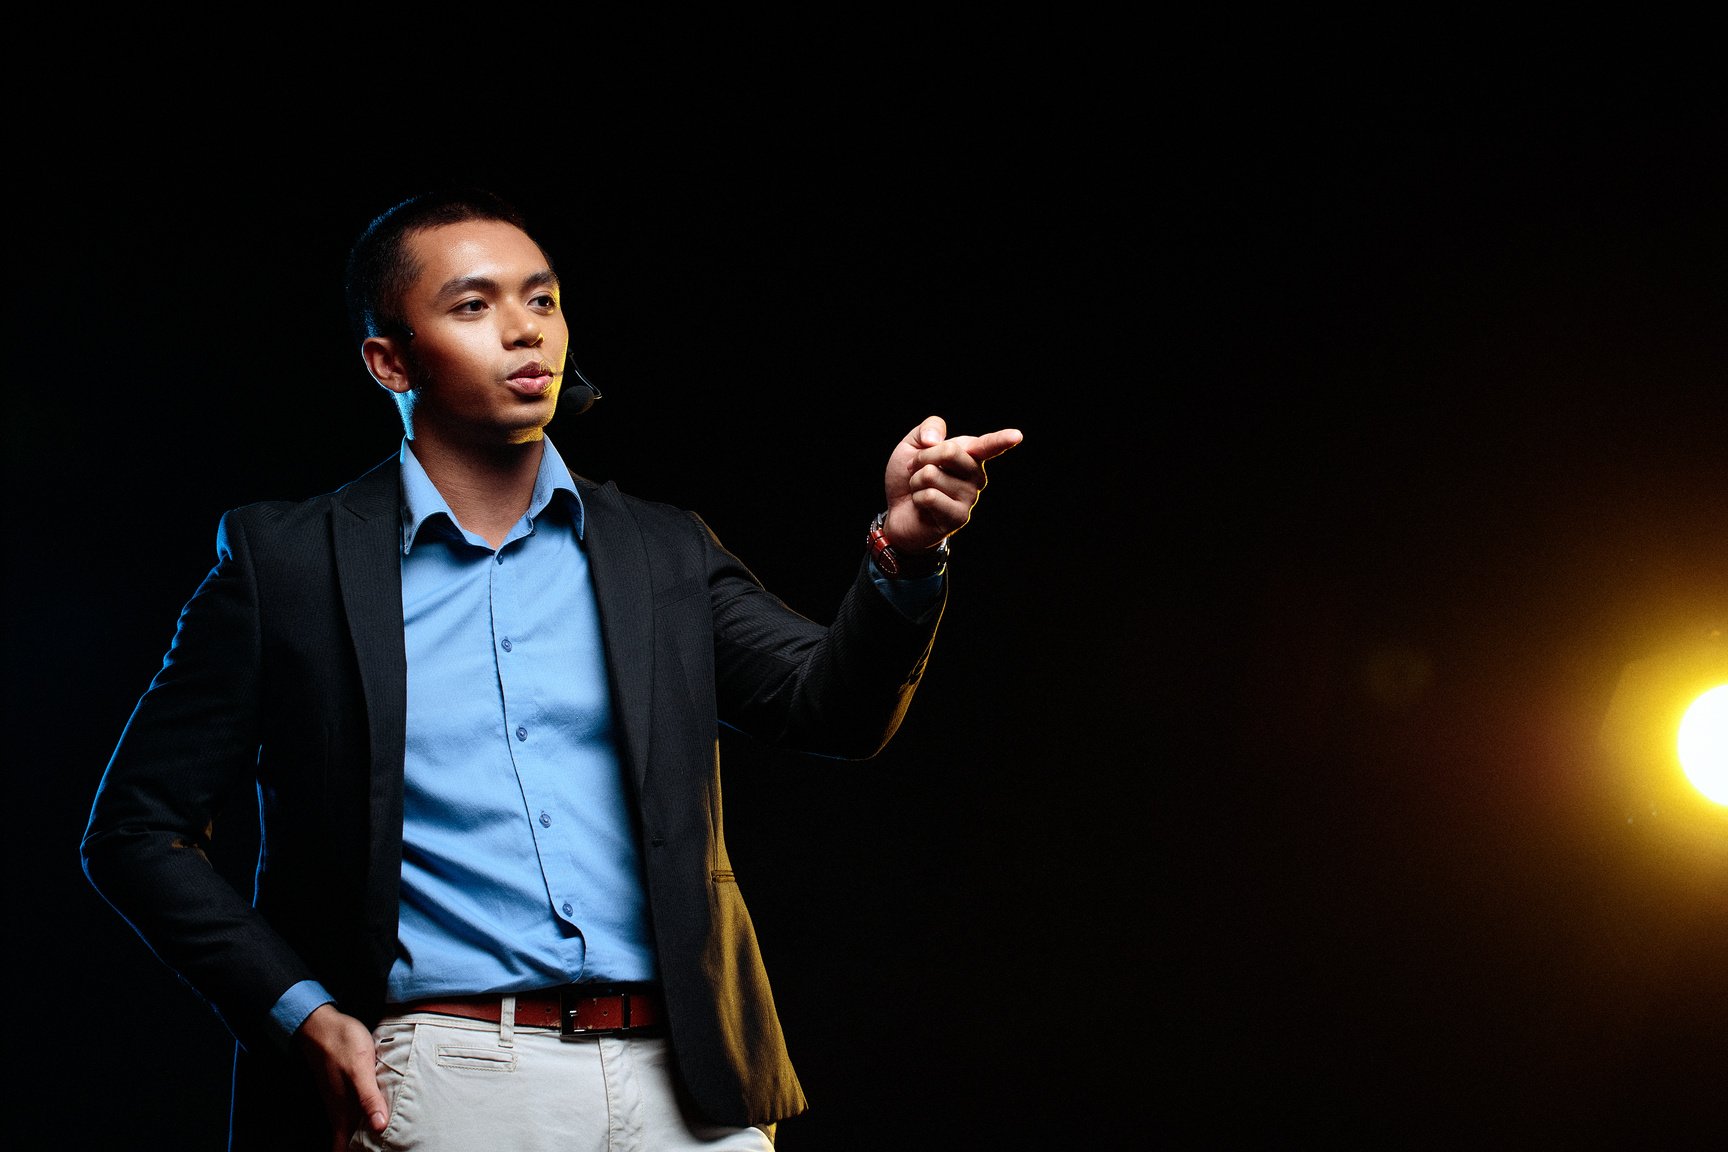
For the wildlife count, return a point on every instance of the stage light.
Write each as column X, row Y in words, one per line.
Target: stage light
column 1666, row 736
column 1703, row 744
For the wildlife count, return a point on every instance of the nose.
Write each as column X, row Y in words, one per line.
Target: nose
column 525, row 329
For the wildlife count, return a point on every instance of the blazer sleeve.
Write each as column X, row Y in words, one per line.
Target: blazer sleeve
column 189, row 747
column 838, row 690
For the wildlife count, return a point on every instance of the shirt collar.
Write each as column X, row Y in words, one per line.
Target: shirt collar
column 421, row 500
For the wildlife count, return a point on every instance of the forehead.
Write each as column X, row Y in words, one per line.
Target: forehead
column 473, row 250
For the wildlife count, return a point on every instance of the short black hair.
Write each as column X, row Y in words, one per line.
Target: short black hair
column 380, row 268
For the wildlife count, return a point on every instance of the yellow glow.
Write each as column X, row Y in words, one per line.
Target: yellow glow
column 1704, row 744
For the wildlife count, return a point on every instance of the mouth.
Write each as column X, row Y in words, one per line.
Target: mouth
column 531, row 379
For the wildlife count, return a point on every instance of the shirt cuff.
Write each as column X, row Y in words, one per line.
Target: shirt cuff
column 296, row 1004
column 912, row 597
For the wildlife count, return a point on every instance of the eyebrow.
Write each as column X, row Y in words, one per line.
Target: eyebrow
column 545, row 278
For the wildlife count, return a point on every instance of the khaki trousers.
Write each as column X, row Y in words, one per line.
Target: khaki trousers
column 457, row 1085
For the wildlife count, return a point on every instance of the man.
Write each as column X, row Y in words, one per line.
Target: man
column 478, row 698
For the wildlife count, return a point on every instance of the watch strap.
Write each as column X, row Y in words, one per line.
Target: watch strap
column 898, row 565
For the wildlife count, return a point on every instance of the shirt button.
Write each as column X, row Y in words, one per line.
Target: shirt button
column 521, row 733
column 500, row 557
column 545, row 820
column 568, row 911
column 506, row 645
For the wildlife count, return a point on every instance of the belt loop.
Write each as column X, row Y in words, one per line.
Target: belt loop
column 507, row 1021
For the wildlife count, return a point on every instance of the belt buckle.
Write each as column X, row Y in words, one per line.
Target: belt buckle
column 570, row 1000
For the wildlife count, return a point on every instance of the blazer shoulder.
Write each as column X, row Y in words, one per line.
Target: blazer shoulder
column 653, row 517
column 376, row 492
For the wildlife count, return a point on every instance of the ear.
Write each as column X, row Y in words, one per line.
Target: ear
column 385, row 362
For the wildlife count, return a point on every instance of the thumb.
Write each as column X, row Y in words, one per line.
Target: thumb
column 376, row 1117
column 370, row 1100
column 933, row 430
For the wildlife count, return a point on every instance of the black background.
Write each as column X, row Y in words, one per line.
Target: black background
column 1374, row 409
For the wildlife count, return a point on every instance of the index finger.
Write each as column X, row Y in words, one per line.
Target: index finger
column 991, row 444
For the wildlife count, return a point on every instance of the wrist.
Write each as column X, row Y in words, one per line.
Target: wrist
column 899, row 565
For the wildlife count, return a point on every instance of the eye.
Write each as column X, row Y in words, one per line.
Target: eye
column 471, row 306
column 545, row 300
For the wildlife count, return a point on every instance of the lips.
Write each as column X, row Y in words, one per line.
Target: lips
column 531, row 379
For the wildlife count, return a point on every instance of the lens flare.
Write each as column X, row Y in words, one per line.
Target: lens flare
column 1704, row 744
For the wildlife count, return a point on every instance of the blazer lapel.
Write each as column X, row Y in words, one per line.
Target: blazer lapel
column 367, row 528
column 618, row 562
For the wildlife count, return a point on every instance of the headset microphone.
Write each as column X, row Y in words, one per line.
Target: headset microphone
column 575, row 402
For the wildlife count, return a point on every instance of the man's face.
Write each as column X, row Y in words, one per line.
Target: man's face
column 487, row 357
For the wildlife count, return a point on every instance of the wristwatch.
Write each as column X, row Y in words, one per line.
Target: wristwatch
column 903, row 565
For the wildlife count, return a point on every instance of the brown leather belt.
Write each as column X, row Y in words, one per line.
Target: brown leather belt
column 578, row 1011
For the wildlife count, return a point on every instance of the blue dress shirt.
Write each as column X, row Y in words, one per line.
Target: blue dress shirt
column 520, row 866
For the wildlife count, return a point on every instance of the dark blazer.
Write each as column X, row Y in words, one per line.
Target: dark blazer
column 287, row 676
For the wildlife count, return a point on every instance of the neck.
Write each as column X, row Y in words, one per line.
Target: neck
column 487, row 487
